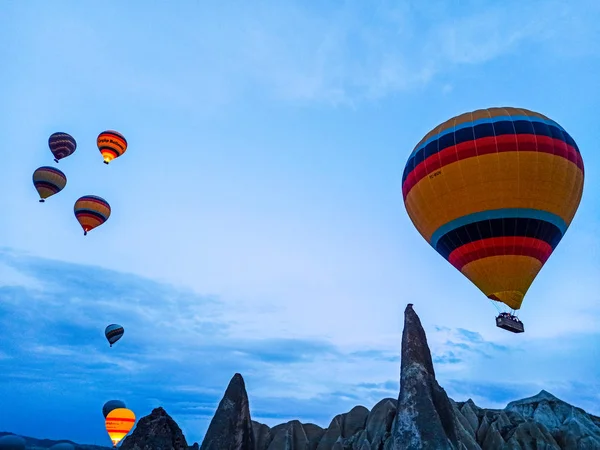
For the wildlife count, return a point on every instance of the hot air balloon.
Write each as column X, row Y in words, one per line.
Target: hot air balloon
column 62, row 446
column 494, row 191
column 118, row 423
column 113, row 333
column 12, row 442
column 91, row 211
column 61, row 145
column 48, row 181
column 111, row 144
column 110, row 405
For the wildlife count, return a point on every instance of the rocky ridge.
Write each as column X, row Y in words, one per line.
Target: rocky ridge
column 423, row 417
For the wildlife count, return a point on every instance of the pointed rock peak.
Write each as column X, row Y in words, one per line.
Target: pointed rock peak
column 543, row 395
column 231, row 426
column 414, row 342
column 158, row 412
column 425, row 417
column 157, row 430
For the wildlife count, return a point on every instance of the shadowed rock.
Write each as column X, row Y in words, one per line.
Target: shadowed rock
column 425, row 417
column 157, row 431
column 231, row 426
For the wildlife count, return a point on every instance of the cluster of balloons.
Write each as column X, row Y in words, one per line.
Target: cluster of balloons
column 493, row 191
column 118, row 419
column 91, row 211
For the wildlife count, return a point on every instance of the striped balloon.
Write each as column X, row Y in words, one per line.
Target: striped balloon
column 91, row 211
column 61, row 145
column 111, row 145
column 113, row 333
column 118, row 423
column 48, row 181
column 493, row 191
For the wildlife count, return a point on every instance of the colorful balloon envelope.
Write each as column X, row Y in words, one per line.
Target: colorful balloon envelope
column 111, row 144
column 48, row 181
column 12, row 442
column 494, row 191
column 112, row 405
column 118, row 423
column 91, row 212
column 113, row 333
column 61, row 145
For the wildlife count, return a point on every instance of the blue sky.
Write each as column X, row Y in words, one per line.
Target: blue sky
column 257, row 219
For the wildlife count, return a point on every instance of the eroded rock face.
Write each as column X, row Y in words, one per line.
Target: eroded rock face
column 157, row 431
column 425, row 417
column 231, row 426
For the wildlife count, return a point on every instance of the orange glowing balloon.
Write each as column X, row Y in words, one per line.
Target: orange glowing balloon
column 111, row 144
column 119, row 422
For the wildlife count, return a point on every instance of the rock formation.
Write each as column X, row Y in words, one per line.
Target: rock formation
column 423, row 417
column 231, row 426
column 157, row 431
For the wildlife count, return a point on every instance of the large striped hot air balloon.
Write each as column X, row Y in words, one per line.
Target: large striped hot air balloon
column 91, row 211
column 494, row 191
column 61, row 145
column 48, row 181
column 113, row 333
column 111, row 145
column 118, row 423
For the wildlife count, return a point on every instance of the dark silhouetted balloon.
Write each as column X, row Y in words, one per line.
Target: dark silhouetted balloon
column 112, row 404
column 113, row 333
column 61, row 145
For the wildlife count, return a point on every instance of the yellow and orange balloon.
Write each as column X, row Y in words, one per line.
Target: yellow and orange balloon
column 493, row 191
column 91, row 211
column 111, row 144
column 118, row 423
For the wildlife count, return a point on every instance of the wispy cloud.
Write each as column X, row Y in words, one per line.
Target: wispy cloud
column 180, row 350
column 177, row 351
column 332, row 55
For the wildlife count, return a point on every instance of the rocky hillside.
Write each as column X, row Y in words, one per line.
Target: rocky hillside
column 47, row 444
column 423, row 417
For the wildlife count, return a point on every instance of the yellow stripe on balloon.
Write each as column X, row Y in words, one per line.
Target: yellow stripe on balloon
column 496, row 181
column 118, row 423
column 506, row 277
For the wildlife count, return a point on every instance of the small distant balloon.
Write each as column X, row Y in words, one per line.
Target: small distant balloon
column 113, row 333
column 112, row 405
column 111, row 144
column 62, row 446
column 61, row 145
column 12, row 442
column 118, row 423
column 48, row 181
column 91, row 211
